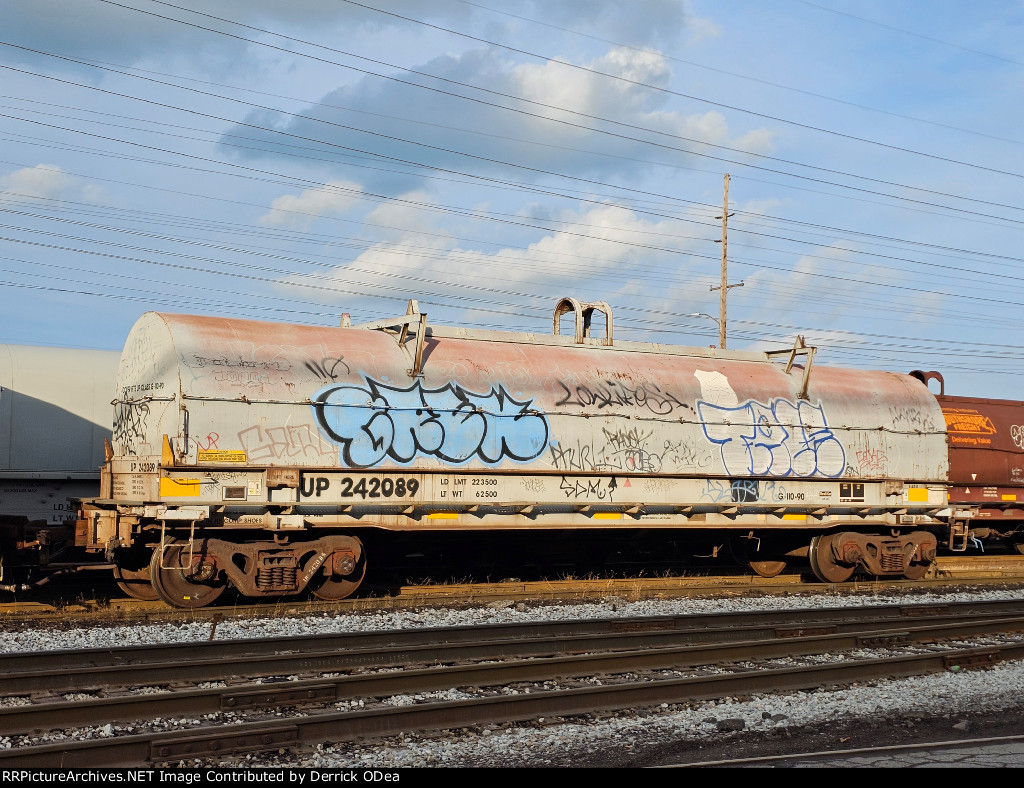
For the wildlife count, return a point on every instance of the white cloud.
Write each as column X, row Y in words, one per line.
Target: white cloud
column 591, row 243
column 700, row 28
column 47, row 182
column 815, row 288
column 380, row 115
column 762, row 206
column 105, row 31
column 638, row 22
column 299, row 211
column 404, row 215
column 100, row 30
column 579, row 90
column 757, row 141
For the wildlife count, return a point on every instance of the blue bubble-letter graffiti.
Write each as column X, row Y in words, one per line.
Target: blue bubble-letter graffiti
column 773, row 439
column 450, row 423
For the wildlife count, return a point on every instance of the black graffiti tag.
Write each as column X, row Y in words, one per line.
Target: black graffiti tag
column 615, row 393
column 129, row 427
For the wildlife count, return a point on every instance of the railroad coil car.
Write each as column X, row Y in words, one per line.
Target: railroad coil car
column 262, row 454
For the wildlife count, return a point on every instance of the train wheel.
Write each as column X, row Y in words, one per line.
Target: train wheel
column 136, row 583
column 767, row 568
column 334, row 587
column 916, row 571
column 756, row 560
column 178, row 580
column 824, row 565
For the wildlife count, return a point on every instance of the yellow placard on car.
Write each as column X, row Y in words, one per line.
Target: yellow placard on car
column 218, row 455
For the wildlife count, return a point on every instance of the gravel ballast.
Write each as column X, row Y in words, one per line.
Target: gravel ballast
column 953, row 702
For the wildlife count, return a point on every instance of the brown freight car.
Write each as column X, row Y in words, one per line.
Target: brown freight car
column 986, row 460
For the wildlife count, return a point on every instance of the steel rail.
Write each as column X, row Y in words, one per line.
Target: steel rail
column 327, row 690
column 84, row 669
column 948, row 571
column 944, row 745
column 169, row 652
column 225, row 741
column 570, row 663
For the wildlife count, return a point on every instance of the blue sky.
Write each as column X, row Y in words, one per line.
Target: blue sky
column 295, row 161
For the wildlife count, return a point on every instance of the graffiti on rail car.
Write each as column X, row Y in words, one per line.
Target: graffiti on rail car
column 129, row 425
column 747, row 491
column 618, row 394
column 451, row 423
column 778, row 438
column 628, row 450
column 299, row 442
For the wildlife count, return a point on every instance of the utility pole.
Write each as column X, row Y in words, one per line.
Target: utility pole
column 725, row 285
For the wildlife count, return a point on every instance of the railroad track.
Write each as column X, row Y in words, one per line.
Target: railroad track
column 35, row 673
column 948, row 571
column 631, row 654
column 872, row 756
